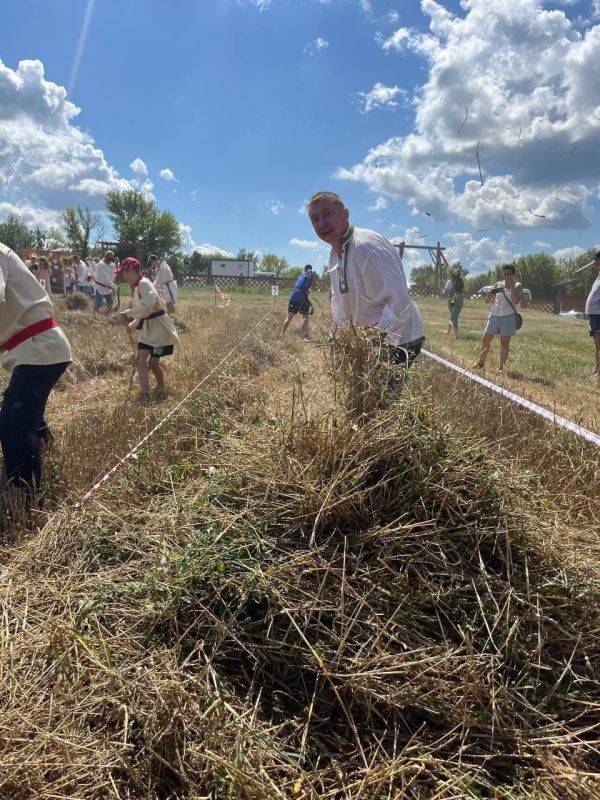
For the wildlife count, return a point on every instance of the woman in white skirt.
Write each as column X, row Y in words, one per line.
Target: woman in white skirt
column 505, row 299
column 157, row 334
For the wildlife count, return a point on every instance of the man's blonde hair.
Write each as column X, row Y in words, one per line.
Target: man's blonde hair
column 331, row 197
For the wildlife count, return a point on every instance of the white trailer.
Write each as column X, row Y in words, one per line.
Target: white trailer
column 231, row 268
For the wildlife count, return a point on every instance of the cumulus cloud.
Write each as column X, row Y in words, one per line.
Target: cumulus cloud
column 42, row 217
column 520, row 80
column 567, row 253
column 305, row 244
column 167, row 175
column 314, row 47
column 275, row 206
column 45, row 159
column 545, row 245
column 379, row 205
column 138, row 166
column 381, row 96
column 190, row 246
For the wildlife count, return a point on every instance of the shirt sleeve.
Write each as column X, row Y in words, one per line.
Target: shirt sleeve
column 385, row 283
column 145, row 303
column 3, row 272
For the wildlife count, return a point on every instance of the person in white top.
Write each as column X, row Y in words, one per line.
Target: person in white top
column 505, row 299
column 82, row 273
column 36, row 353
column 104, row 282
column 157, row 331
column 368, row 284
column 164, row 282
column 43, row 274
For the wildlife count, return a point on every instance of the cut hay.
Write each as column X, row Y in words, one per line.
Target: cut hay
column 76, row 301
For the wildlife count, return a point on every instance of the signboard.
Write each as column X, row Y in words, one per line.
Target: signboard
column 274, row 290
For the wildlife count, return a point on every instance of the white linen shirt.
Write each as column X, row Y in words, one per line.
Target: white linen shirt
column 165, row 284
column 105, row 274
column 592, row 304
column 82, row 274
column 501, row 306
column 23, row 302
column 157, row 332
column 375, row 291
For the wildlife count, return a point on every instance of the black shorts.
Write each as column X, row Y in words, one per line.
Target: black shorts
column 594, row 323
column 157, row 352
column 404, row 355
column 299, row 308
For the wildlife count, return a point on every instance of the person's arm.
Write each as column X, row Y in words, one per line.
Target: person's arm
column 489, row 298
column 144, row 305
column 518, row 290
column 385, row 283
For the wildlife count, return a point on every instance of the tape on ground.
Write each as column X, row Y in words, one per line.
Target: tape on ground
column 589, row 436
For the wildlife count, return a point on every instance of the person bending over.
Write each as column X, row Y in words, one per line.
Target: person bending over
column 157, row 334
column 368, row 285
column 36, row 353
column 299, row 302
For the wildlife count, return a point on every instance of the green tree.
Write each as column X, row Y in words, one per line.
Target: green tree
column 245, row 255
column 14, row 233
column 422, row 278
column 77, row 225
column 274, row 264
column 136, row 219
column 537, row 272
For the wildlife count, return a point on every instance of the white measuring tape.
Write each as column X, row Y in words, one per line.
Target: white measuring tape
column 132, row 453
column 594, row 438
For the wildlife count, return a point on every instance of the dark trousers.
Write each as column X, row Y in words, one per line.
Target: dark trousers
column 22, row 423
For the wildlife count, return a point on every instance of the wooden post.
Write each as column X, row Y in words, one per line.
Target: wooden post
column 438, row 267
column 401, row 249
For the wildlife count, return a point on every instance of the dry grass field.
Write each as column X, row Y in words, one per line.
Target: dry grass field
column 275, row 601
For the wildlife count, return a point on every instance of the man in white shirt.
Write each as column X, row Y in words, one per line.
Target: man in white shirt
column 164, row 282
column 368, row 285
column 81, row 270
column 36, row 353
column 592, row 311
column 104, row 282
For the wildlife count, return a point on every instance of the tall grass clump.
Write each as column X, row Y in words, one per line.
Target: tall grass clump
column 298, row 604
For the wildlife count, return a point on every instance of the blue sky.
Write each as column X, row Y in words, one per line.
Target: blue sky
column 253, row 105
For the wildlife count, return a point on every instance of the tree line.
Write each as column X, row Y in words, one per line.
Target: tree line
column 131, row 219
column 537, row 271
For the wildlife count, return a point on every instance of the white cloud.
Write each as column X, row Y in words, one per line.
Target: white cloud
column 316, row 46
column 194, row 195
column 275, row 206
column 47, row 162
column 567, row 253
column 43, row 217
column 138, row 166
column 167, row 175
column 302, row 209
column 545, row 245
column 475, row 254
column 379, row 205
column 393, row 17
column 305, row 244
column 522, row 81
column 381, row 96
column 189, row 245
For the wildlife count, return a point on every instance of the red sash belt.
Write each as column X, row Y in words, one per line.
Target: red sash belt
column 28, row 332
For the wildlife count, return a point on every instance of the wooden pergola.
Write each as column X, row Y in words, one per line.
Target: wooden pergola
column 436, row 253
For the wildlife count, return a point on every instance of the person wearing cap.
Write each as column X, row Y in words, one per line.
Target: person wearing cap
column 592, row 311
column 368, row 284
column 157, row 334
column 104, row 282
column 36, row 353
column 299, row 302
column 164, row 282
column 505, row 299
